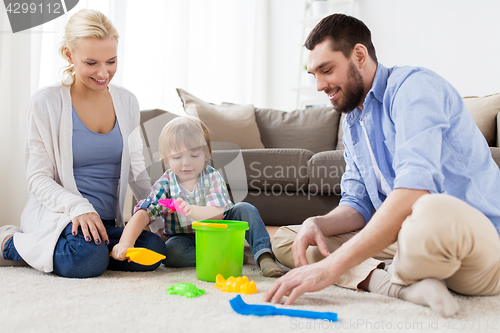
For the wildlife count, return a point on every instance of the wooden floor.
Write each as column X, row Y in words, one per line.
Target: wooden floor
column 272, row 230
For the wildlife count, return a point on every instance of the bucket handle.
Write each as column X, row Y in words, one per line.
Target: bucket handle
column 210, row 225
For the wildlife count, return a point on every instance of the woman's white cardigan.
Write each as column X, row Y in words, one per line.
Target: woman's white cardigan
column 54, row 199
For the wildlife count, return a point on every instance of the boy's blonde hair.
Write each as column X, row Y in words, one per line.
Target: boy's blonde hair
column 86, row 23
column 186, row 132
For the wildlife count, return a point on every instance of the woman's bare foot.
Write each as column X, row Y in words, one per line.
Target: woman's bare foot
column 5, row 240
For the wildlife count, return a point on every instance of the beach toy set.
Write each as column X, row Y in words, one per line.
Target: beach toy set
column 219, row 258
column 219, row 245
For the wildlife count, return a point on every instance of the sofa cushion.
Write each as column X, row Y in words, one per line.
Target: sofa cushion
column 292, row 208
column 484, row 110
column 227, row 123
column 313, row 129
column 325, row 172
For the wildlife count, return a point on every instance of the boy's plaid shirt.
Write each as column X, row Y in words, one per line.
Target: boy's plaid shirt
column 210, row 190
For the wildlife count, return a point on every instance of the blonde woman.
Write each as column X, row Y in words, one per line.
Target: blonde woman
column 81, row 151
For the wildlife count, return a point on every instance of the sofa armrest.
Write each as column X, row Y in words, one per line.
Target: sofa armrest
column 495, row 153
column 325, row 172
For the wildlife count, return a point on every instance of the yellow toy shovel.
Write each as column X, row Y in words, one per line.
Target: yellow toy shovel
column 143, row 256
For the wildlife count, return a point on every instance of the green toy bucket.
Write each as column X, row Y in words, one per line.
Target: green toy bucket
column 219, row 248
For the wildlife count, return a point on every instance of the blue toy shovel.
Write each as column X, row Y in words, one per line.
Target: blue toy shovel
column 243, row 308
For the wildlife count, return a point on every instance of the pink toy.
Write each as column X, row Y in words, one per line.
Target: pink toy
column 171, row 203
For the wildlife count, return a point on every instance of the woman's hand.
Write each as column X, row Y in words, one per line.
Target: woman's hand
column 91, row 226
column 119, row 251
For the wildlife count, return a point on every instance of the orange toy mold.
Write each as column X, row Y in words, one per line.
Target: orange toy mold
column 235, row 285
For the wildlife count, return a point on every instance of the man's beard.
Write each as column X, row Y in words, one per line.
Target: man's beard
column 352, row 93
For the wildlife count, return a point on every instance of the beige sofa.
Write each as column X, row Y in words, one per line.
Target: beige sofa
column 293, row 161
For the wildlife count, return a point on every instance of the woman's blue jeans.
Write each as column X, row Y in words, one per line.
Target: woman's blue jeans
column 76, row 258
column 181, row 248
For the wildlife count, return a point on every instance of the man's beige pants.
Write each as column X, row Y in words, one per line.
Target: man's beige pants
column 444, row 238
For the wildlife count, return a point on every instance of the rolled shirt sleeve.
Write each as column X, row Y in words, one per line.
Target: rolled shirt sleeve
column 150, row 203
column 354, row 193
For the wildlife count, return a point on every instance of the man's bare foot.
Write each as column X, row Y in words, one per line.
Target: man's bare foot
column 428, row 292
column 432, row 293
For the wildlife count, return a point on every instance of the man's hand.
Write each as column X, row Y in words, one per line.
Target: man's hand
column 92, row 227
column 309, row 235
column 300, row 280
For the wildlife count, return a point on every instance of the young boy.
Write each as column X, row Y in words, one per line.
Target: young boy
column 185, row 148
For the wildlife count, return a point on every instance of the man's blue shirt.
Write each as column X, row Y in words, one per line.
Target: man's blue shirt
column 423, row 138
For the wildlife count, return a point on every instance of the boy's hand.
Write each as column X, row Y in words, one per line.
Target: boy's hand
column 119, row 251
column 200, row 212
column 185, row 208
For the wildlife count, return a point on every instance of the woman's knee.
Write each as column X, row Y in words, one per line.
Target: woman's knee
column 84, row 261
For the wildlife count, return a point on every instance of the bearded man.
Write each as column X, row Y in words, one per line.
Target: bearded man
column 420, row 207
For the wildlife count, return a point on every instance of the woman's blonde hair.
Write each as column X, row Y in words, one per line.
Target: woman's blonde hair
column 186, row 132
column 86, row 23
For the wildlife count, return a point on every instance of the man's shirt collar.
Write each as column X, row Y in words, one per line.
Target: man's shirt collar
column 377, row 91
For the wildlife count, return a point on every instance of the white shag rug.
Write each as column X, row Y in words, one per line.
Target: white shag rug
column 31, row 301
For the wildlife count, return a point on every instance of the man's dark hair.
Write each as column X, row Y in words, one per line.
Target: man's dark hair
column 344, row 32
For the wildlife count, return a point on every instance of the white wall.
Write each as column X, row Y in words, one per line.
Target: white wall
column 284, row 53
column 458, row 39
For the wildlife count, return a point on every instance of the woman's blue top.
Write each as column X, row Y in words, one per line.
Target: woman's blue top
column 96, row 166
